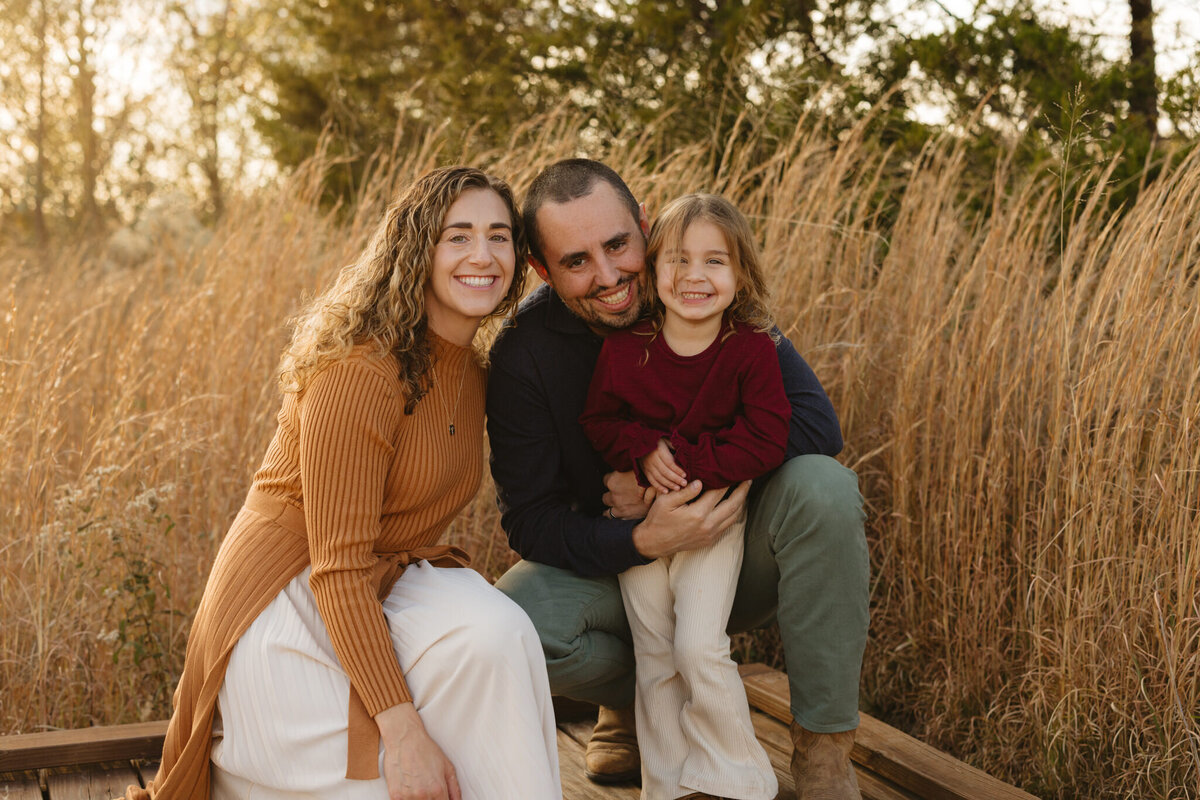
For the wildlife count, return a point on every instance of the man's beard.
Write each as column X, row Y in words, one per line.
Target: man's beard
column 604, row 323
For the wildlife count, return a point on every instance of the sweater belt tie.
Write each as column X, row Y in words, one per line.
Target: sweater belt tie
column 362, row 745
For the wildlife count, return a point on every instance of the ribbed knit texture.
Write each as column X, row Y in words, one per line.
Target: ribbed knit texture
column 369, row 481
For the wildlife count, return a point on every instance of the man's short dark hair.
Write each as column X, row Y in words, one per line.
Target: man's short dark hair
column 564, row 181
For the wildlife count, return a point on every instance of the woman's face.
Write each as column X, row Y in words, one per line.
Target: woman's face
column 473, row 264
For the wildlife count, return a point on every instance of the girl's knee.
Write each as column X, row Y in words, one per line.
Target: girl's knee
column 694, row 652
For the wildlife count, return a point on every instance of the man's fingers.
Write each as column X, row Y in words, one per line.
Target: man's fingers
column 730, row 508
column 739, row 493
column 681, row 497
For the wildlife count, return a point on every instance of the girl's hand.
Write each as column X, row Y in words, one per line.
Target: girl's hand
column 660, row 469
column 414, row 767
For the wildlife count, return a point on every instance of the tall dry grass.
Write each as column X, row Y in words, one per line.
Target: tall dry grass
column 1022, row 405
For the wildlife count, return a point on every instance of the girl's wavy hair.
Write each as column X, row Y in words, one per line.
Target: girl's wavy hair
column 380, row 298
column 751, row 301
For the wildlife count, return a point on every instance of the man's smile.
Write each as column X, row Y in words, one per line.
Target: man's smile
column 616, row 297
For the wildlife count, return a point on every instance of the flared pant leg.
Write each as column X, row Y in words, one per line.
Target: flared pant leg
column 693, row 721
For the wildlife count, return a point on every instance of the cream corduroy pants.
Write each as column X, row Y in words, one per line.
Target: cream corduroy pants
column 693, row 721
column 474, row 667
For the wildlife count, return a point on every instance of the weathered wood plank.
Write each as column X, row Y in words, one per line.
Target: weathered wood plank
column 20, row 787
column 96, row 783
column 83, row 746
column 580, row 730
column 895, row 756
column 575, row 783
column 147, row 768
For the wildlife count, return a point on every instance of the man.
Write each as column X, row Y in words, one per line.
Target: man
column 577, row 526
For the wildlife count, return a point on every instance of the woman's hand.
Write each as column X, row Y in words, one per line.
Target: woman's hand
column 414, row 767
column 660, row 469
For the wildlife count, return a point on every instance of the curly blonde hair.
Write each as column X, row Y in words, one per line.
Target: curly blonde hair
column 751, row 301
column 380, row 298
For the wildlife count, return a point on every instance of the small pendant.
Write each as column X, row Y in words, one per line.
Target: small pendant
column 451, row 428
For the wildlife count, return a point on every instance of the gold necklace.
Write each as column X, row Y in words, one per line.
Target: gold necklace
column 452, row 414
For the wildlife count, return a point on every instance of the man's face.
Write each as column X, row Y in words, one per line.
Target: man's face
column 595, row 257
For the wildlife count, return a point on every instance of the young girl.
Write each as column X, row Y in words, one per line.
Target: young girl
column 693, row 393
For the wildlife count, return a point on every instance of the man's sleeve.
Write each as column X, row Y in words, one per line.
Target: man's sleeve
column 814, row 425
column 538, row 512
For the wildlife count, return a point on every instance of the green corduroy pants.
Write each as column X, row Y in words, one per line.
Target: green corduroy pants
column 805, row 567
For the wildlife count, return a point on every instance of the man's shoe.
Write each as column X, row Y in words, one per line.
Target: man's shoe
column 612, row 753
column 821, row 765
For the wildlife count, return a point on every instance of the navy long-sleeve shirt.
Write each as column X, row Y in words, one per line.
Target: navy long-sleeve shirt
column 549, row 479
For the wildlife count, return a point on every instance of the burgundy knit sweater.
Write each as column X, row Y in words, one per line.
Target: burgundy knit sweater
column 723, row 411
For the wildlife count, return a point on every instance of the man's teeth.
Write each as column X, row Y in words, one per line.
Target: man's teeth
column 616, row 298
column 478, row 280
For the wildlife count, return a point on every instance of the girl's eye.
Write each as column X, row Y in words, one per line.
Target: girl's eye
column 457, row 238
column 499, row 237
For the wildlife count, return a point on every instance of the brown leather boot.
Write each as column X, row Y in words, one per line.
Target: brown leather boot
column 612, row 753
column 821, row 765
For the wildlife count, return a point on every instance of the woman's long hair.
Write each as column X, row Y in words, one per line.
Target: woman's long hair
column 380, row 298
column 751, row 301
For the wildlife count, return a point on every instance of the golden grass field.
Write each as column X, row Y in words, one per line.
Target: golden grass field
column 1022, row 407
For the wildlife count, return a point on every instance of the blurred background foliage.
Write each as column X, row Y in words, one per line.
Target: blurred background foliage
column 111, row 110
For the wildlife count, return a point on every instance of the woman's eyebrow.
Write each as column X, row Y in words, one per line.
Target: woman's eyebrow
column 468, row 225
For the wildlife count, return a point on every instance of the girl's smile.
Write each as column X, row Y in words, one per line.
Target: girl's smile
column 696, row 283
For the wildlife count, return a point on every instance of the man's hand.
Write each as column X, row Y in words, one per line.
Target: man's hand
column 414, row 767
column 626, row 498
column 674, row 524
column 660, row 469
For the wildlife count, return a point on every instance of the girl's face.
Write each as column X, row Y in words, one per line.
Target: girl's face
column 696, row 283
column 473, row 264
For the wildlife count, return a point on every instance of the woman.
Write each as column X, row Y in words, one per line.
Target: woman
column 314, row 648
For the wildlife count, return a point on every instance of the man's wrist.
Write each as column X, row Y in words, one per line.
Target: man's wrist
column 643, row 541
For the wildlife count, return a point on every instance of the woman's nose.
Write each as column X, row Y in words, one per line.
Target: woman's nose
column 480, row 254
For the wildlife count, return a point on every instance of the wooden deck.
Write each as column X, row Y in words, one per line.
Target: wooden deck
column 100, row 762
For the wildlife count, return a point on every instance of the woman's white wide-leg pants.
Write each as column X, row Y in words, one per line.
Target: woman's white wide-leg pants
column 693, row 722
column 473, row 664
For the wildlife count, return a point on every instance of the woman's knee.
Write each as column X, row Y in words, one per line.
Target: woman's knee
column 491, row 623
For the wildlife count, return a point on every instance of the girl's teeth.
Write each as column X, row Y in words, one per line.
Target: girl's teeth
column 482, row 281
